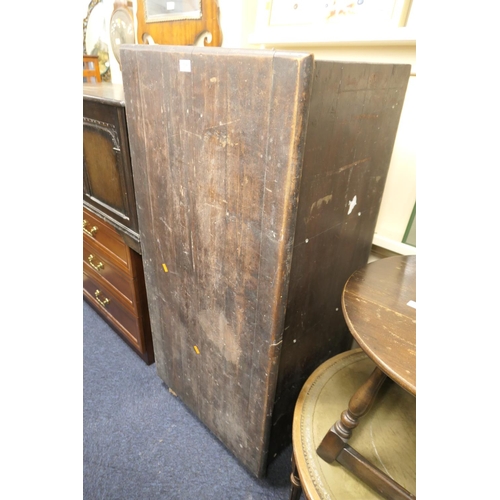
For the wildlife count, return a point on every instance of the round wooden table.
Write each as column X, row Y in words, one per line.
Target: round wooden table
column 379, row 305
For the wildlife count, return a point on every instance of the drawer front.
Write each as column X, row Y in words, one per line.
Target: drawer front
column 110, row 306
column 98, row 231
column 107, row 270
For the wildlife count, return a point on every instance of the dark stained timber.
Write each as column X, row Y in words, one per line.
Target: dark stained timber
column 258, row 178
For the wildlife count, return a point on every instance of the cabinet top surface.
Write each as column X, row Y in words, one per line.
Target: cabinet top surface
column 111, row 93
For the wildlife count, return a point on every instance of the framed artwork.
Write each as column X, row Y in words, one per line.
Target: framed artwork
column 356, row 13
column 174, row 10
column 178, row 22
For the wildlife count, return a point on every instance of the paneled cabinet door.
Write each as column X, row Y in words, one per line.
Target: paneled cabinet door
column 107, row 178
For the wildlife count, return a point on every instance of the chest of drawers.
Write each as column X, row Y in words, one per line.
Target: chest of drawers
column 113, row 275
column 113, row 283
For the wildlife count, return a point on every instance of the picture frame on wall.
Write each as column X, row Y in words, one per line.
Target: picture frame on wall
column 178, row 22
column 373, row 13
column 172, row 10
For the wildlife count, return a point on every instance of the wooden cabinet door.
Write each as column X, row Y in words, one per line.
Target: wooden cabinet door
column 107, row 178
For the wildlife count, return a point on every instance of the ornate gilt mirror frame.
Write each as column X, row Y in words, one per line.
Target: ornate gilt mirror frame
column 91, row 6
column 103, row 55
column 179, row 22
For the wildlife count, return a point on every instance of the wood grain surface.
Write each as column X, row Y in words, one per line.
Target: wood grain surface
column 245, row 162
column 182, row 32
column 380, row 306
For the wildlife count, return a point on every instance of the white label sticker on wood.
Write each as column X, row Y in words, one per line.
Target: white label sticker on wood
column 412, row 303
column 185, row 65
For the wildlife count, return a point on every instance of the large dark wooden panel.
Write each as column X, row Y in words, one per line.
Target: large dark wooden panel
column 353, row 120
column 243, row 200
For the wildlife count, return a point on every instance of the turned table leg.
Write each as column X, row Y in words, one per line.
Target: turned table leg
column 358, row 406
column 334, row 445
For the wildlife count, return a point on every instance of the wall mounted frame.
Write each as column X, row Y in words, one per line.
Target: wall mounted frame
column 179, row 28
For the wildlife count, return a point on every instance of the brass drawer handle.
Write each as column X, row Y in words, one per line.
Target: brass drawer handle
column 92, row 231
column 102, row 302
column 99, row 266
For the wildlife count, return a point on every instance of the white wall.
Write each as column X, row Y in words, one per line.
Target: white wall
column 237, row 20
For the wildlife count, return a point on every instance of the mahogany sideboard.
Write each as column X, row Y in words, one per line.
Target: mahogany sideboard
column 259, row 176
column 113, row 274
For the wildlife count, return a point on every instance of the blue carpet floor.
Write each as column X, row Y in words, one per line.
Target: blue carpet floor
column 141, row 443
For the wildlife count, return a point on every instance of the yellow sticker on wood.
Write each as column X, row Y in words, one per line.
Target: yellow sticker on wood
column 196, row 350
column 165, row 268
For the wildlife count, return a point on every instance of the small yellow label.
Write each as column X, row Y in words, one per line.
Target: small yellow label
column 196, row 350
column 165, row 268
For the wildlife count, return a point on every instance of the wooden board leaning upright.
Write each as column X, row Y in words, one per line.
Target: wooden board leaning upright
column 259, row 176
